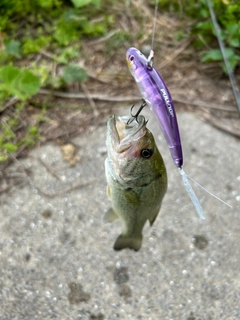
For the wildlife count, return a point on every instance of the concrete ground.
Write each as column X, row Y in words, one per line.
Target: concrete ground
column 56, row 256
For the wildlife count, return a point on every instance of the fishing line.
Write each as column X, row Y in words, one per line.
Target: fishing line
column 213, row 195
column 192, row 194
column 221, row 45
column 154, row 23
column 151, row 54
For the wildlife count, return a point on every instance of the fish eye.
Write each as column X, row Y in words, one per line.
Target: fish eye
column 131, row 58
column 146, row 153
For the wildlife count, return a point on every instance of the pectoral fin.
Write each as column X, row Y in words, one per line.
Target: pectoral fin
column 109, row 216
column 131, row 196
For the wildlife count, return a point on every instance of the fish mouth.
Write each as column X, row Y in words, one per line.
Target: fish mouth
column 122, row 134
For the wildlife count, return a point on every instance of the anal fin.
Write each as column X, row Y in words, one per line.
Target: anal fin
column 109, row 216
column 153, row 218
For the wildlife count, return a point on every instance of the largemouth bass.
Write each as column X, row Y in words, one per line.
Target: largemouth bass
column 136, row 177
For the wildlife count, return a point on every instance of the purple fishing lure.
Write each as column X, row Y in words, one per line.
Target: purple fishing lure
column 155, row 92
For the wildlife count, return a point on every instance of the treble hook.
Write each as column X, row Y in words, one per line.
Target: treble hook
column 135, row 116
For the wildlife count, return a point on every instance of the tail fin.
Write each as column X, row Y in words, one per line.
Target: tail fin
column 123, row 242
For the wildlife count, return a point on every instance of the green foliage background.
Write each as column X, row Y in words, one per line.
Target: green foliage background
column 26, row 28
column 29, row 27
column 228, row 16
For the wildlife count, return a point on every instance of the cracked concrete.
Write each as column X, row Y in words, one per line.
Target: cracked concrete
column 56, row 256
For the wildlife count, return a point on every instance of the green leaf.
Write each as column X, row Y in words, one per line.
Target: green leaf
column 33, row 130
column 212, row 55
column 204, row 12
column 72, row 15
column 28, row 82
column 233, row 29
column 82, row 3
column 234, row 42
column 10, row 147
column 13, row 48
column 207, row 25
column 47, row 4
column 21, row 83
column 67, row 54
column 216, row 55
column 232, row 64
column 65, row 33
column 9, row 73
column 74, row 73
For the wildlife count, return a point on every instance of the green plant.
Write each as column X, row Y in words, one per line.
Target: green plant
column 7, row 134
column 230, row 34
column 73, row 73
column 216, row 55
column 52, row 30
column 31, row 137
column 18, row 82
column 228, row 16
column 82, row 3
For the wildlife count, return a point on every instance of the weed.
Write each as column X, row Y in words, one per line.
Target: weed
column 228, row 15
column 52, row 26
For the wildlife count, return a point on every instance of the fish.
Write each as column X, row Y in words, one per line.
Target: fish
column 136, row 178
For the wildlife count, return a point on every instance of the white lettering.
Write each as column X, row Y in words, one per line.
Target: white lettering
column 169, row 106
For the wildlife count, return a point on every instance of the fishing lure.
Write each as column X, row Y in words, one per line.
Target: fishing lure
column 156, row 94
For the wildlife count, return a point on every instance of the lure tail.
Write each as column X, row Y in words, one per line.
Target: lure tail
column 192, row 194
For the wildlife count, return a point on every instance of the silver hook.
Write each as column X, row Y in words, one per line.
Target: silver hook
column 135, row 116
